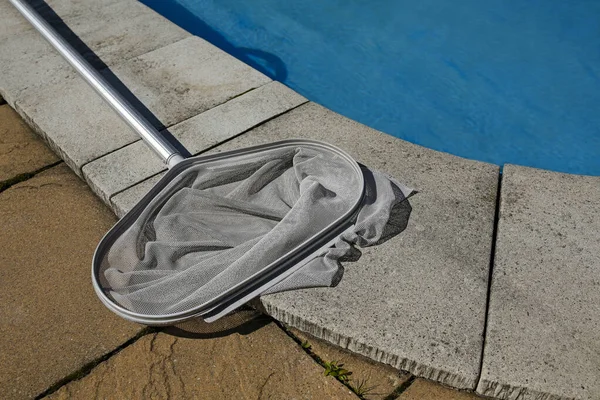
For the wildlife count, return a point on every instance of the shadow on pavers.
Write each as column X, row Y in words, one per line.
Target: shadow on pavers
column 71, row 37
column 267, row 63
column 243, row 321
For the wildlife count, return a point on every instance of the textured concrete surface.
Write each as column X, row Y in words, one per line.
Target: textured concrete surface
column 29, row 64
column 134, row 28
column 377, row 381
column 12, row 22
column 75, row 122
column 21, row 151
column 71, row 8
column 187, row 78
column 425, row 390
column 237, row 115
column 416, row 302
column 80, row 127
column 543, row 337
column 131, row 164
column 260, row 363
column 124, row 201
column 52, row 323
column 54, row 100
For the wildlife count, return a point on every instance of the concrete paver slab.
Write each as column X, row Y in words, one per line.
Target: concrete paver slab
column 373, row 380
column 124, row 201
column 237, row 115
column 28, row 63
column 48, row 93
column 52, row 323
column 416, row 302
column 187, row 78
column 12, row 22
column 80, row 127
column 75, row 122
column 543, row 336
column 424, row 390
column 131, row 164
column 134, row 30
column 68, row 9
column 261, row 364
column 21, row 151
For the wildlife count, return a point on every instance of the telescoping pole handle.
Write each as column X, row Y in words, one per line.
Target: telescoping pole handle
column 130, row 115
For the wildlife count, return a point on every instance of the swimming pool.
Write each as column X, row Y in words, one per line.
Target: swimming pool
column 502, row 81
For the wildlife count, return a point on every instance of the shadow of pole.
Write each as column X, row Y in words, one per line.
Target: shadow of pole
column 71, row 37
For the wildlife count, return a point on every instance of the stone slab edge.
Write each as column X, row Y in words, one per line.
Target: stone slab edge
column 357, row 346
column 499, row 383
column 49, row 142
column 346, row 342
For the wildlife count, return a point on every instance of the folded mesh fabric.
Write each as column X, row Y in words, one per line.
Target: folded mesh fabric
column 213, row 227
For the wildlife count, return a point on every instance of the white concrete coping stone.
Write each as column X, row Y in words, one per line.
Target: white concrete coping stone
column 543, row 334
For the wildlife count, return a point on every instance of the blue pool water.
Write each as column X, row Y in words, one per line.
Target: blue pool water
column 502, row 81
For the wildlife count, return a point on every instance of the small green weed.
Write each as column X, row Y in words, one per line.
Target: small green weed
column 335, row 369
column 361, row 388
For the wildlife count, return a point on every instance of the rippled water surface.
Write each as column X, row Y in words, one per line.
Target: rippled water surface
column 502, row 81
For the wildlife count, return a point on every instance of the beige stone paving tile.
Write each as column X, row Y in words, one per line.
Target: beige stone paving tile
column 426, row 390
column 381, row 378
column 51, row 323
column 21, row 151
column 257, row 362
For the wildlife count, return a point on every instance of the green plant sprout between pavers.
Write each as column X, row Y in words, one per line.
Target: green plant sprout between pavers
column 335, row 369
column 361, row 388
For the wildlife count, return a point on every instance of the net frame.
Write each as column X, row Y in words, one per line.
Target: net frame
column 253, row 285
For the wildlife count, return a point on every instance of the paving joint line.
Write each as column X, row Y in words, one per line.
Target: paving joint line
column 241, row 94
column 10, row 182
column 165, row 129
column 401, row 388
column 490, row 275
column 314, row 356
column 249, row 129
column 134, row 184
column 213, row 146
column 89, row 367
column 110, row 152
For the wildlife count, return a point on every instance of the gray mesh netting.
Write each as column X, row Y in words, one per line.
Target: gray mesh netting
column 214, row 226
